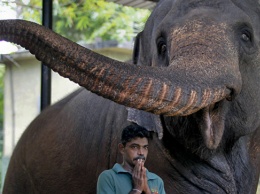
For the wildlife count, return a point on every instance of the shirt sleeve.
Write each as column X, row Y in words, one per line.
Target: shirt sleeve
column 105, row 184
column 161, row 187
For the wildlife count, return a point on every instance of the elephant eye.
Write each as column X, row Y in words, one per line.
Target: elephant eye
column 246, row 36
column 247, row 39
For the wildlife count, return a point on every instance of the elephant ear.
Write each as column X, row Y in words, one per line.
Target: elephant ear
column 136, row 50
column 147, row 120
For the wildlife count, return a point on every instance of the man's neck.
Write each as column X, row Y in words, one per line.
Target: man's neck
column 127, row 167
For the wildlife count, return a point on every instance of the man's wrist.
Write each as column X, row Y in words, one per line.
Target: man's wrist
column 137, row 190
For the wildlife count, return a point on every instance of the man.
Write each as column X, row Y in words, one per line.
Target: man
column 131, row 177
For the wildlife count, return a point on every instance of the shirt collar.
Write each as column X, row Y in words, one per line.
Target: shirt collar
column 119, row 169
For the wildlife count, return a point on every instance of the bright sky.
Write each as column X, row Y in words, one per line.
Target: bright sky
column 6, row 13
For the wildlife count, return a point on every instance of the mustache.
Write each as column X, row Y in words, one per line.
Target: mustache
column 139, row 157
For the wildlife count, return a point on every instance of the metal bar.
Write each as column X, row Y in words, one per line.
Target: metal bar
column 46, row 72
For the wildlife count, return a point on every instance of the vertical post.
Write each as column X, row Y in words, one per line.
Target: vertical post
column 46, row 72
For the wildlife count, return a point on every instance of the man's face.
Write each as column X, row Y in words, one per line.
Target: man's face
column 136, row 148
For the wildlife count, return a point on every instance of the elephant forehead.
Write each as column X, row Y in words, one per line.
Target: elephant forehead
column 199, row 27
column 196, row 37
column 200, row 32
column 182, row 7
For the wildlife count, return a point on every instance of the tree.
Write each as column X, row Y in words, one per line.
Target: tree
column 85, row 20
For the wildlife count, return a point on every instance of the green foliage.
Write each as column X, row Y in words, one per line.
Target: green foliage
column 81, row 20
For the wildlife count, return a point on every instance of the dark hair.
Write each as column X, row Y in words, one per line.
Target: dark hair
column 132, row 131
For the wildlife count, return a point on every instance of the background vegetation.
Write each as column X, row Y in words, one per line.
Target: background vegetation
column 85, row 20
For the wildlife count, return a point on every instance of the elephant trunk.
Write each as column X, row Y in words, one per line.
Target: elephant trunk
column 153, row 89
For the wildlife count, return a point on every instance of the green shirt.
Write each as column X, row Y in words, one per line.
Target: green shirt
column 118, row 181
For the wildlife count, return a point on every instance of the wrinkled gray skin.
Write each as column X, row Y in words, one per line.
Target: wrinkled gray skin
column 212, row 148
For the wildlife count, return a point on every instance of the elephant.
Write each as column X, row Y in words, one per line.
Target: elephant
column 193, row 82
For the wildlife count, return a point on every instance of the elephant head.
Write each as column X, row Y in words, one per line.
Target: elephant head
column 206, row 45
column 189, row 60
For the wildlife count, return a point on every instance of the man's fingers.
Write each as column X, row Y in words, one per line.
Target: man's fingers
column 140, row 164
column 138, row 169
column 137, row 175
column 144, row 172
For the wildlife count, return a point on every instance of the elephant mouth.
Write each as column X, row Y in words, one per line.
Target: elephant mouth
column 211, row 123
column 204, row 127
